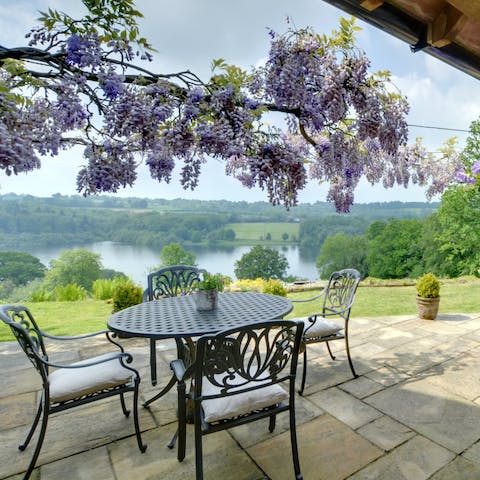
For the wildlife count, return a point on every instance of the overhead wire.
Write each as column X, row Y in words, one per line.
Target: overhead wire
column 439, row 128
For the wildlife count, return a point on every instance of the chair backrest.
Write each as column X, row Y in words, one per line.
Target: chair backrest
column 340, row 292
column 28, row 335
column 172, row 281
column 248, row 358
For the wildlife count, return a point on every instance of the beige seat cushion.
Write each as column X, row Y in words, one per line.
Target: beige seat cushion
column 233, row 405
column 321, row 328
column 69, row 383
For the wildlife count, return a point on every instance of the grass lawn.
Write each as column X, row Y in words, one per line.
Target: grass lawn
column 66, row 318
column 378, row 301
column 257, row 231
column 70, row 318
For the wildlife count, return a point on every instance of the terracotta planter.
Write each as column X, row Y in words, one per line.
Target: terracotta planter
column 206, row 300
column 427, row 308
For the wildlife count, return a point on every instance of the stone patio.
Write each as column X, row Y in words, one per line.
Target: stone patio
column 413, row 414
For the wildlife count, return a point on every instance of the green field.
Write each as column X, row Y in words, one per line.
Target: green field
column 259, row 231
column 70, row 318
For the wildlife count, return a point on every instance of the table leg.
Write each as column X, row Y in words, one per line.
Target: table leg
column 185, row 351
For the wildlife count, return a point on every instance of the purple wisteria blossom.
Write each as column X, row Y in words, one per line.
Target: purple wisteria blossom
column 343, row 122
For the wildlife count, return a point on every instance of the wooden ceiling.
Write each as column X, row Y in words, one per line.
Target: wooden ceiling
column 446, row 29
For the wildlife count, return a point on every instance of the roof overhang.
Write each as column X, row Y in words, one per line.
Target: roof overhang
column 448, row 30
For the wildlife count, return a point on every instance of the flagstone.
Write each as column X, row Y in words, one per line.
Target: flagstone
column 449, row 420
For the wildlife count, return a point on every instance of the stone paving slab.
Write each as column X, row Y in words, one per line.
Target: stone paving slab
column 329, row 450
column 459, row 469
column 71, row 432
column 89, row 465
column 418, row 459
column 386, row 433
column 345, row 407
column 449, row 420
column 361, row 387
column 223, row 458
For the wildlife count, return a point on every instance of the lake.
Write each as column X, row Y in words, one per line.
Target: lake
column 137, row 261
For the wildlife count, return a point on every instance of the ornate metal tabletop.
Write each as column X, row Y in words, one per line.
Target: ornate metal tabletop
column 177, row 317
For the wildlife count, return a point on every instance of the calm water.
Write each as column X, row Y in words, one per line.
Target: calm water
column 137, row 261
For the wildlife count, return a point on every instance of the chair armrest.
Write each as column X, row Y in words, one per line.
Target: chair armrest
column 120, row 355
column 321, row 294
column 73, row 337
column 108, row 334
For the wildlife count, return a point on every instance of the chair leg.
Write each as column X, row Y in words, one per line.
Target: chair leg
column 198, row 442
column 153, row 361
column 293, row 439
column 29, row 436
column 182, row 422
column 354, row 373
column 304, row 371
column 142, row 446
column 272, row 423
column 126, row 412
column 41, row 436
column 330, row 351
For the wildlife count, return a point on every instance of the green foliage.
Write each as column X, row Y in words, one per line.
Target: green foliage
column 314, row 231
column 394, row 250
column 211, row 281
column 126, row 295
column 174, row 254
column 70, row 293
column 261, row 262
column 471, row 152
column 20, row 268
column 109, row 20
column 23, row 293
column 275, row 287
column 456, row 233
column 78, row 266
column 110, row 274
column 340, row 251
column 103, row 288
column 428, row 286
column 40, row 295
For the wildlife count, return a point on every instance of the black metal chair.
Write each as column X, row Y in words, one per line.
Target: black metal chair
column 170, row 281
column 338, row 297
column 236, row 377
column 71, row 385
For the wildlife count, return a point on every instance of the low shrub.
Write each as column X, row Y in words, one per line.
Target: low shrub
column 40, row 295
column 126, row 295
column 275, row 287
column 103, row 288
column 428, row 286
column 70, row 293
column 246, row 285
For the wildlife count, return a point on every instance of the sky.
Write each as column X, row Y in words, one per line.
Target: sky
column 189, row 34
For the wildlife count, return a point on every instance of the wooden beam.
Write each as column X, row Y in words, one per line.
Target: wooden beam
column 444, row 28
column 371, row 4
column 470, row 8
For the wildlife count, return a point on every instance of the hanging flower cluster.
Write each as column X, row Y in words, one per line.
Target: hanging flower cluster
column 343, row 122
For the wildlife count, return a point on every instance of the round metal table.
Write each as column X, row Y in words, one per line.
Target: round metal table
column 177, row 317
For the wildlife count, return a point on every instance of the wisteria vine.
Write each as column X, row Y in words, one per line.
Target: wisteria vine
column 77, row 83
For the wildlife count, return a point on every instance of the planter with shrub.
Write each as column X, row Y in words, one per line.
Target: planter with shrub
column 428, row 296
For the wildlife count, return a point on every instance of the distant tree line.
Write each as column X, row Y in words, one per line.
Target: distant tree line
column 445, row 243
column 72, row 220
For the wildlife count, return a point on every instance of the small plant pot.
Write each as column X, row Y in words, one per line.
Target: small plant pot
column 427, row 308
column 206, row 300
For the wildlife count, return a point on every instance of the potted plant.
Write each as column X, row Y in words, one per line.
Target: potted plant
column 428, row 296
column 206, row 296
